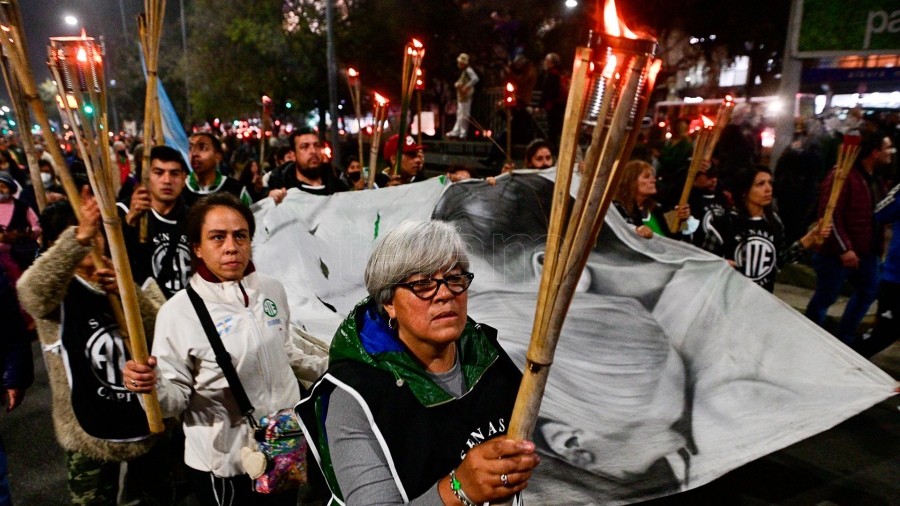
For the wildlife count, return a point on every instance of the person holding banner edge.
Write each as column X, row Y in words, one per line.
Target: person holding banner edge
column 417, row 398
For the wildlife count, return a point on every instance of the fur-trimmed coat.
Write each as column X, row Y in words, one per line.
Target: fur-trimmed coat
column 42, row 289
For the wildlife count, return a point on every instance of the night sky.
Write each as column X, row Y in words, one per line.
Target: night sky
column 44, row 19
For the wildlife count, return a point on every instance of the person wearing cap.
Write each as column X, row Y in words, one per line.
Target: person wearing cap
column 165, row 256
column 308, row 172
column 465, row 88
column 411, row 163
column 707, row 202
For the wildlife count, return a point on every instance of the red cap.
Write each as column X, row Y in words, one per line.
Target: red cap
column 410, row 146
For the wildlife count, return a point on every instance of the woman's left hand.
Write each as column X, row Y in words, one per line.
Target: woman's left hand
column 496, row 469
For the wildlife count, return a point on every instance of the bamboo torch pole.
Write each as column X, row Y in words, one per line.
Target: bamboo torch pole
column 150, row 31
column 77, row 66
column 265, row 124
column 571, row 236
column 538, row 363
column 703, row 140
column 412, row 61
column 20, row 109
column 15, row 50
column 14, row 44
column 847, row 154
column 355, row 85
column 380, row 114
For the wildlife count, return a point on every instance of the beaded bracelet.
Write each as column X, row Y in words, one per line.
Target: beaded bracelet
column 456, row 487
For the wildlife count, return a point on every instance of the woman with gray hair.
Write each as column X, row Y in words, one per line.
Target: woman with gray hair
column 417, row 394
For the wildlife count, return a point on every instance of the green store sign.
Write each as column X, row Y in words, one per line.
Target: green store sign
column 834, row 27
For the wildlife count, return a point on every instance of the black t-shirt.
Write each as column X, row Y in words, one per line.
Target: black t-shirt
column 286, row 177
column 706, row 206
column 166, row 256
column 753, row 244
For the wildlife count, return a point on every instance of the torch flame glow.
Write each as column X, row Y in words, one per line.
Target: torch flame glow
column 82, row 55
column 612, row 24
column 352, row 73
column 707, row 123
column 654, row 70
column 610, row 67
column 381, row 100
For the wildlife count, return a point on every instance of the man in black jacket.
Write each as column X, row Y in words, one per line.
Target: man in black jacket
column 308, row 173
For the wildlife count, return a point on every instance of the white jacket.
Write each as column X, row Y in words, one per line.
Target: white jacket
column 190, row 381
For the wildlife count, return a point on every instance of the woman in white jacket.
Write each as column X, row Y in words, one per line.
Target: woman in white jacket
column 250, row 312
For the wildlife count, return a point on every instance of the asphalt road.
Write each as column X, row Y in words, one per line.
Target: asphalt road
column 856, row 463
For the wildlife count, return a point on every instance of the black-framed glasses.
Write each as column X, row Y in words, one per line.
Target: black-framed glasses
column 427, row 288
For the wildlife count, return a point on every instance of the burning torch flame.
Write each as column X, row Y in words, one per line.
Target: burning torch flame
column 82, row 54
column 610, row 67
column 654, row 70
column 707, row 123
column 613, row 25
column 381, row 100
column 352, row 73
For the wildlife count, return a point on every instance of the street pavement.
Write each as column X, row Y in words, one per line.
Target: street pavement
column 856, row 463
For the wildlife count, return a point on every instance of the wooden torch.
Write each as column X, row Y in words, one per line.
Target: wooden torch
column 606, row 100
column 380, row 115
column 150, row 30
column 78, row 68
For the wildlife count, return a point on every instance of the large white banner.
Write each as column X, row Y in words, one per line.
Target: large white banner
column 672, row 369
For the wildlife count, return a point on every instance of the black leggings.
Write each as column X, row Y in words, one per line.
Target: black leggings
column 235, row 491
column 887, row 323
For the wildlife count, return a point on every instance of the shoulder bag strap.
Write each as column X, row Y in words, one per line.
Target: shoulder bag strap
column 223, row 358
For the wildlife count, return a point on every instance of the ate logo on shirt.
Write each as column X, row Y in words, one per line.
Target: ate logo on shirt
column 756, row 257
column 106, row 352
column 270, row 308
column 180, row 265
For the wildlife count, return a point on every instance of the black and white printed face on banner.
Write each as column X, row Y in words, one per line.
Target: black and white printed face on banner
column 672, row 368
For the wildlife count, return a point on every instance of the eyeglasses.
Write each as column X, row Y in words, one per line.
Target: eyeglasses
column 426, row 289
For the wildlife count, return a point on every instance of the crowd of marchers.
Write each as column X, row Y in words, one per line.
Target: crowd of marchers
column 412, row 330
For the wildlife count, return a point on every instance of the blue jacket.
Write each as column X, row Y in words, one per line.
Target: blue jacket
column 888, row 211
